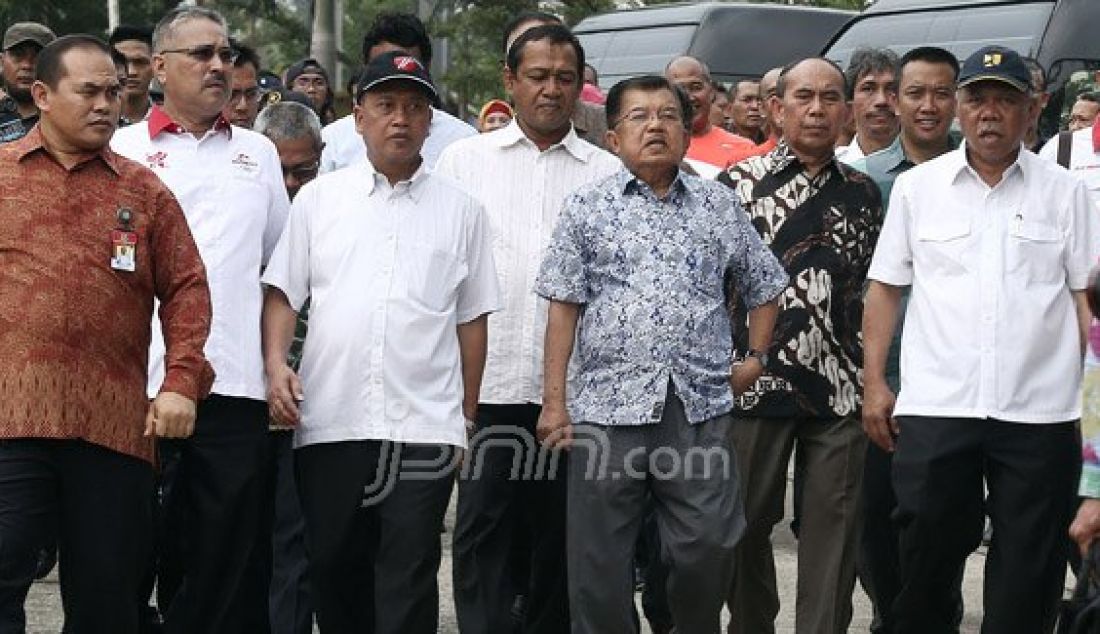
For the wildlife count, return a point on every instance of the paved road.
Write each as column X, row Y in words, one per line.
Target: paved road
column 44, row 607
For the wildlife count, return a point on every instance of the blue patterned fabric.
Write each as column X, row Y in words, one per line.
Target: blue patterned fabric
column 650, row 274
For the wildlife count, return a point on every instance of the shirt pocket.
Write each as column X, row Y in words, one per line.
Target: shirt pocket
column 1035, row 252
column 432, row 276
column 944, row 243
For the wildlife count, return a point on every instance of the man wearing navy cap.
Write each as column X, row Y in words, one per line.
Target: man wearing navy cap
column 995, row 245
column 398, row 266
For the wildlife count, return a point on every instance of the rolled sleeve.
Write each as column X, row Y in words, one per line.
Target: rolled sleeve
column 479, row 293
column 1084, row 238
column 288, row 269
column 758, row 276
column 892, row 262
column 563, row 275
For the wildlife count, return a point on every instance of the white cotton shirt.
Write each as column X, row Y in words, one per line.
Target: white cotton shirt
column 991, row 329
column 849, row 154
column 390, row 273
column 1084, row 160
column 344, row 146
column 523, row 190
column 230, row 186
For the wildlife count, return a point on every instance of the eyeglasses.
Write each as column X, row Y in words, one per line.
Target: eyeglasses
column 251, row 95
column 301, row 173
column 640, row 117
column 206, row 52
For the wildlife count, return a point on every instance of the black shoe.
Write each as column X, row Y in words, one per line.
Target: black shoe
column 47, row 559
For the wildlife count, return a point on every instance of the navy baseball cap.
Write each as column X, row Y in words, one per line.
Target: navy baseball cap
column 394, row 66
column 996, row 63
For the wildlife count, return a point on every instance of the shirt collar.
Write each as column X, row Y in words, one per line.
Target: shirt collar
column 414, row 186
column 159, row 122
column 683, row 185
column 32, row 142
column 512, row 134
column 783, row 158
column 960, row 165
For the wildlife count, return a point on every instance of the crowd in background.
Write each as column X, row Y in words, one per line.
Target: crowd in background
column 253, row 347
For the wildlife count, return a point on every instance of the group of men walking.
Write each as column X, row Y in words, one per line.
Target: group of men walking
column 258, row 385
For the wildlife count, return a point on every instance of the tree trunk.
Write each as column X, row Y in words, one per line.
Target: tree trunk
column 322, row 44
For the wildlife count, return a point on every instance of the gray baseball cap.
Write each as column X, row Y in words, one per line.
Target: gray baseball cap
column 21, row 32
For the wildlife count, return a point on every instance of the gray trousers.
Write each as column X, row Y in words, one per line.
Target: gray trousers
column 690, row 471
column 833, row 451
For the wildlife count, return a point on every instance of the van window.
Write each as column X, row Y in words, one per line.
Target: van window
column 1079, row 76
column 626, row 53
column 1019, row 27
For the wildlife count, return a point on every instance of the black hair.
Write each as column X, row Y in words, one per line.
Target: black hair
column 865, row 61
column 781, row 83
column 555, row 34
column 403, row 29
column 49, row 69
column 929, row 55
column 245, row 55
column 119, row 59
column 522, row 17
column 646, row 83
column 1091, row 97
column 127, row 32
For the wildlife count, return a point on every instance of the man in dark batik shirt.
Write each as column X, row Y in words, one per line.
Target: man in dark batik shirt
column 821, row 219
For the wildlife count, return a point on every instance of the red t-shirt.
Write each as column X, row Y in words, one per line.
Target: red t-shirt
column 718, row 147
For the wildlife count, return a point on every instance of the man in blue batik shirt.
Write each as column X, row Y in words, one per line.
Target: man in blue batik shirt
column 640, row 259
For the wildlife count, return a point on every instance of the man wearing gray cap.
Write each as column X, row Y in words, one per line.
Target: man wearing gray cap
column 995, row 245
column 22, row 42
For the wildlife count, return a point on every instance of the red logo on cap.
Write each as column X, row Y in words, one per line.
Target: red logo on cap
column 406, row 63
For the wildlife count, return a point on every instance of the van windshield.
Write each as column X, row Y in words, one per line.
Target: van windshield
column 962, row 32
column 626, row 53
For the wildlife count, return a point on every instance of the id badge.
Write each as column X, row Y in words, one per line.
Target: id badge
column 123, row 250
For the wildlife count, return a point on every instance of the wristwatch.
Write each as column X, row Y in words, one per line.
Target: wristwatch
column 760, row 355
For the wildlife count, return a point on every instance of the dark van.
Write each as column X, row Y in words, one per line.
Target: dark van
column 737, row 40
column 1060, row 34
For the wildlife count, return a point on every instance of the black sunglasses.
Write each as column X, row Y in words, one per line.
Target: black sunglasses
column 206, row 52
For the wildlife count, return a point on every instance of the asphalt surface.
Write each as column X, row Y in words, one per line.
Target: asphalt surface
column 44, row 605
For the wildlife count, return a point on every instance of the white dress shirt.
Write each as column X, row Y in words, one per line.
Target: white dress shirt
column 390, row 273
column 991, row 329
column 849, row 154
column 230, row 186
column 1084, row 159
column 344, row 146
column 523, row 190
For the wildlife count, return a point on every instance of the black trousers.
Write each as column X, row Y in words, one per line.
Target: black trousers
column 290, row 607
column 373, row 513
column 94, row 504
column 212, row 496
column 508, row 485
column 1031, row 472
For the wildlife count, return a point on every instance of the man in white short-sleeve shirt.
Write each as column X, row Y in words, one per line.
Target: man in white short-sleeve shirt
column 398, row 266
column 229, row 183
column 522, row 173
column 996, row 245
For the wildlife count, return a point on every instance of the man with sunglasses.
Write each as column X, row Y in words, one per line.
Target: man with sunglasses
column 228, row 181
